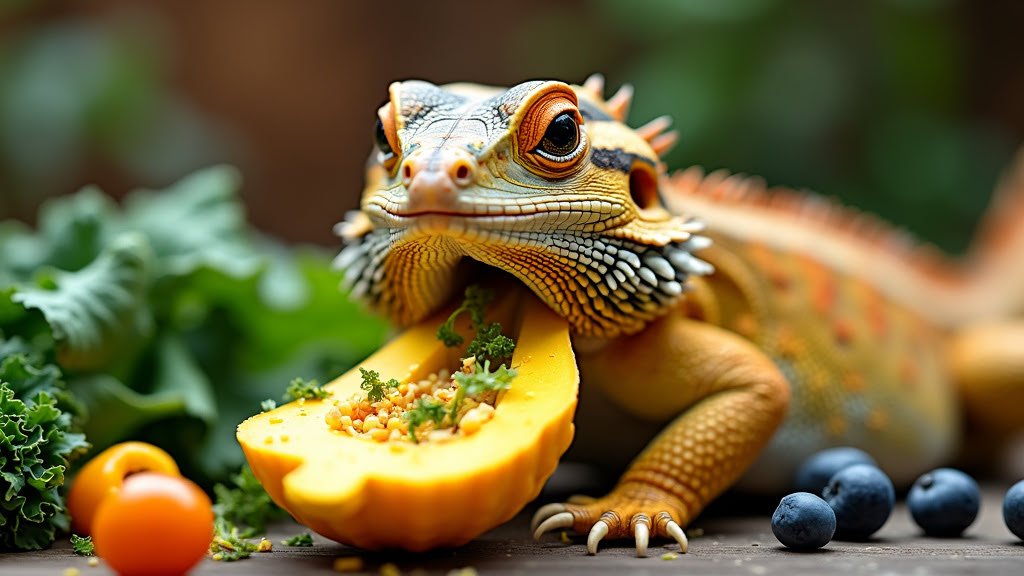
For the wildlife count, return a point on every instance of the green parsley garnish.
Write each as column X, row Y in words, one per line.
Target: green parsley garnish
column 375, row 389
column 426, row 409
column 304, row 539
column 479, row 381
column 82, row 545
column 268, row 405
column 307, row 389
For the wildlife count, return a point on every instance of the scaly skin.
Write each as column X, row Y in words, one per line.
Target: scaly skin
column 789, row 301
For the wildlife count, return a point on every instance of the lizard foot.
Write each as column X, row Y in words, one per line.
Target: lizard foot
column 617, row 517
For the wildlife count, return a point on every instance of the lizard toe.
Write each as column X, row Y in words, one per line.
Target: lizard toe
column 614, row 517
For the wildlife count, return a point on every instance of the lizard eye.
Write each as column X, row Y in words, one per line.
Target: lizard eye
column 561, row 138
column 385, row 137
column 382, row 139
column 551, row 137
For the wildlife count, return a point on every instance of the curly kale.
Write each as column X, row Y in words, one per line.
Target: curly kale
column 36, row 447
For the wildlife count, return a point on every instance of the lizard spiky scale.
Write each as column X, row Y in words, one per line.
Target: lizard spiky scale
column 702, row 302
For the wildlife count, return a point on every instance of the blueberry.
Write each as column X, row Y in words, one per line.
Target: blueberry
column 944, row 502
column 1013, row 509
column 803, row 521
column 862, row 497
column 816, row 471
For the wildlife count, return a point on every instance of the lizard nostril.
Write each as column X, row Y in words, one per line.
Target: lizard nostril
column 407, row 172
column 461, row 173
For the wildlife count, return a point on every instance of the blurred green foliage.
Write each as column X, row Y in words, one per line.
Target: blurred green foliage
column 76, row 92
column 171, row 318
column 866, row 101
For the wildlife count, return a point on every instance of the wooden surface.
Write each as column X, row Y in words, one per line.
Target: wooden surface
column 730, row 544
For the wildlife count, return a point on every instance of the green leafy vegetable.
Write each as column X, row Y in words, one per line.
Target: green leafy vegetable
column 426, row 409
column 82, row 545
column 306, row 389
column 479, row 381
column 171, row 317
column 244, row 508
column 95, row 312
column 374, row 388
column 36, row 446
column 299, row 540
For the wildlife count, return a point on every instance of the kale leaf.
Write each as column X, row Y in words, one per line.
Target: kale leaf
column 37, row 443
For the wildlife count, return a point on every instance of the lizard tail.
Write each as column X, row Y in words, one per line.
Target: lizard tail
column 995, row 262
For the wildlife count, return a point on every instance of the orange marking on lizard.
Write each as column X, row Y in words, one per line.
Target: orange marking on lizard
column 837, row 426
column 853, row 382
column 877, row 419
column 823, row 286
column 843, row 331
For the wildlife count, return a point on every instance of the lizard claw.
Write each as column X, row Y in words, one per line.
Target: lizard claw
column 642, row 533
column 673, row 530
column 559, row 520
column 614, row 517
column 543, row 513
column 599, row 531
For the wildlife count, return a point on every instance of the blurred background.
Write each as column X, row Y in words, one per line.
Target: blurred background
column 907, row 108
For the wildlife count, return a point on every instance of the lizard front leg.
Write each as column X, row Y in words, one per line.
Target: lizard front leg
column 729, row 398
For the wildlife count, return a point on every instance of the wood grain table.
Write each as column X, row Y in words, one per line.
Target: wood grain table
column 734, row 540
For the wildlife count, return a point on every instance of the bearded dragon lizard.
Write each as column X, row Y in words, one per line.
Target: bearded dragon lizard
column 753, row 326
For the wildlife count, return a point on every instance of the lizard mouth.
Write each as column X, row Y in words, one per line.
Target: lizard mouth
column 604, row 284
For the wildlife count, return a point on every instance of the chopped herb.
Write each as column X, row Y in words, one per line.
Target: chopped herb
column 228, row 544
column 425, row 410
column 307, row 389
column 82, row 545
column 479, row 381
column 268, row 405
column 375, row 389
column 476, row 299
column 245, row 504
column 304, row 539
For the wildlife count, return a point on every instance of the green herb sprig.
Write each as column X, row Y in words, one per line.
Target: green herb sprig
column 476, row 299
column 374, row 388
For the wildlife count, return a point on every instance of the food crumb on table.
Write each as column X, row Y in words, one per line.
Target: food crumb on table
column 348, row 564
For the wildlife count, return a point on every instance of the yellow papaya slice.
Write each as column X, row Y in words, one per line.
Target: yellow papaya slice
column 398, row 494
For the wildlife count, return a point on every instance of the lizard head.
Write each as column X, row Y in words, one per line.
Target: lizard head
column 542, row 180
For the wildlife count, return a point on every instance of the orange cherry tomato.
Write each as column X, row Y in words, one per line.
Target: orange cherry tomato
column 105, row 474
column 154, row 525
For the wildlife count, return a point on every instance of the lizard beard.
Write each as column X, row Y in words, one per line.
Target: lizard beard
column 603, row 285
